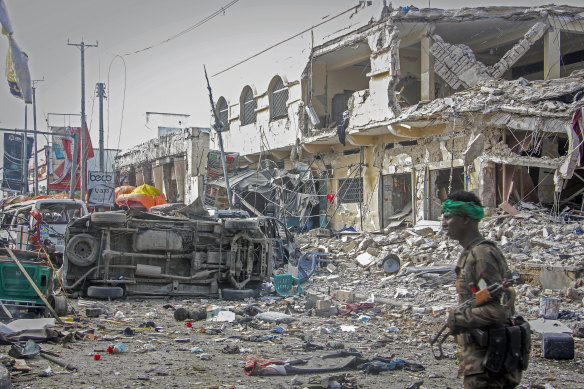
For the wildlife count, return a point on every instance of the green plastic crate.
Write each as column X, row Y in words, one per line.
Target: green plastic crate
column 15, row 286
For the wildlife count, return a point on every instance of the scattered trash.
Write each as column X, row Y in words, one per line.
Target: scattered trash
column 116, row 349
column 549, row 307
column 46, row 373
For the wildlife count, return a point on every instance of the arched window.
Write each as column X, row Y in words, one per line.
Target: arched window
column 223, row 112
column 278, row 98
column 249, row 105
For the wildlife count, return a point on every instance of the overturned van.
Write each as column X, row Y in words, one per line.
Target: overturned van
column 29, row 224
column 111, row 254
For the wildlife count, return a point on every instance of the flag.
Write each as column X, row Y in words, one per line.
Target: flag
column 62, row 156
column 19, row 61
column 11, row 77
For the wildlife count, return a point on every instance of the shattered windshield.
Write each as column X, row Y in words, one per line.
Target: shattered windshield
column 60, row 212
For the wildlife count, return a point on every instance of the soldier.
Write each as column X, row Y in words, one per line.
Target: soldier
column 480, row 265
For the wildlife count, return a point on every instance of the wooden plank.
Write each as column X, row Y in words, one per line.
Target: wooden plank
column 6, row 311
column 36, row 289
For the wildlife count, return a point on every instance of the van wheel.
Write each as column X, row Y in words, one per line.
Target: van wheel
column 104, row 292
column 108, row 218
column 82, row 249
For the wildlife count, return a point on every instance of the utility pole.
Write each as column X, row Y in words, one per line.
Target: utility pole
column 82, row 47
column 100, row 94
column 36, row 162
column 25, row 153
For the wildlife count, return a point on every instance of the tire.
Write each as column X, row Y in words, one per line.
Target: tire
column 82, row 250
column 108, row 218
column 239, row 294
column 59, row 304
column 104, row 292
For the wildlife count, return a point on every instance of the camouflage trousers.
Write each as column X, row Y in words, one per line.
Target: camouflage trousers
column 489, row 380
column 475, row 375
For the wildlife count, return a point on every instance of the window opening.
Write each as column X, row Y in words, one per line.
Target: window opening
column 223, row 113
column 249, row 107
column 350, row 190
column 279, row 98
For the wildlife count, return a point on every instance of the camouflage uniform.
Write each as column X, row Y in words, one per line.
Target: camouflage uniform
column 482, row 260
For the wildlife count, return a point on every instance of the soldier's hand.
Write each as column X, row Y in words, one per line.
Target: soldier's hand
column 451, row 322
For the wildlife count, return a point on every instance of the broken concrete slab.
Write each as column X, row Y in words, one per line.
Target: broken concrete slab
column 545, row 325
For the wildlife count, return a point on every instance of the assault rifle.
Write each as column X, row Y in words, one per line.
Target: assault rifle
column 482, row 297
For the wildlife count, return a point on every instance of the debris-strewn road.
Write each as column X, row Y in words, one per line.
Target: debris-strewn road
column 388, row 317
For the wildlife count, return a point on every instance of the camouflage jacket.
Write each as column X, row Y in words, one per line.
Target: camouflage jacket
column 480, row 265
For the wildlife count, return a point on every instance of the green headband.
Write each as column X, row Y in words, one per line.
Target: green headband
column 463, row 208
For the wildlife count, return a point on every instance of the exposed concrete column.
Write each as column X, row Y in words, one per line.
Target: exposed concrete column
column 169, row 184
column 551, row 54
column 427, row 69
column 179, row 173
column 139, row 176
column 158, row 177
column 195, row 164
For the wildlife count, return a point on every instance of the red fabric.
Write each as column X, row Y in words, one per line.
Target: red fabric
column 330, row 197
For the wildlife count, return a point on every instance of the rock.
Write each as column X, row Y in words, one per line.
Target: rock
column 345, row 296
column 93, row 312
column 574, row 294
column 326, row 312
column 5, row 382
column 365, row 259
column 275, row 317
column 578, row 330
column 365, row 243
column 324, row 304
column 349, row 246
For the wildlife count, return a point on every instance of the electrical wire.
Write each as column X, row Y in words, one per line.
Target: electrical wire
column 286, row 40
column 109, row 99
column 220, row 11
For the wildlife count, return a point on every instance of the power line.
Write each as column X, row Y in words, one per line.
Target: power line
column 287, row 39
column 220, row 11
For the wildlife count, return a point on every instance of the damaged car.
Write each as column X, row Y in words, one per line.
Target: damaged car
column 117, row 253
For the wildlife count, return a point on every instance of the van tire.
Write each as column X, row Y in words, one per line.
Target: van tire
column 104, row 292
column 82, row 249
column 59, row 304
column 108, row 218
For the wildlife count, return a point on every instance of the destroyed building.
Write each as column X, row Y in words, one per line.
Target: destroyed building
column 379, row 119
column 174, row 163
column 400, row 106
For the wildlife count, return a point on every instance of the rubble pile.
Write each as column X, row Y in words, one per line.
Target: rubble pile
column 546, row 256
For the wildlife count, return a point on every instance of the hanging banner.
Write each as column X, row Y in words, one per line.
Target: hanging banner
column 215, row 165
column 61, row 157
column 12, row 161
column 100, row 189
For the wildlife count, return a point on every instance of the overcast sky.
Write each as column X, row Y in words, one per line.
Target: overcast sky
column 166, row 78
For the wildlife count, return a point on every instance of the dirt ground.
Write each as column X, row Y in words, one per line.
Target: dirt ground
column 163, row 357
